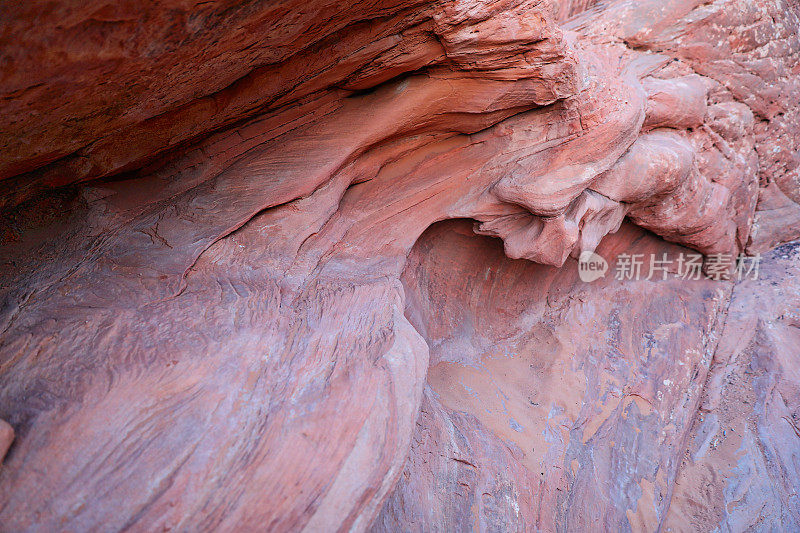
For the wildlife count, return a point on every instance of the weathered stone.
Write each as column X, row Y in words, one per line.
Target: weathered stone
column 233, row 295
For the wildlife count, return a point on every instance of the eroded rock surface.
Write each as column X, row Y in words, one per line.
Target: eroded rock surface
column 593, row 388
column 740, row 471
column 223, row 307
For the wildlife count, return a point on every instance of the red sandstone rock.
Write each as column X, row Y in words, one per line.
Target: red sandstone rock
column 6, row 438
column 249, row 324
column 740, row 470
column 591, row 388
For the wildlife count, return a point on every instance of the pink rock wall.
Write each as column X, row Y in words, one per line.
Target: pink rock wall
column 235, row 295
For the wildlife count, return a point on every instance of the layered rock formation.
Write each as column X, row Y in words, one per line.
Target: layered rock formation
column 249, row 279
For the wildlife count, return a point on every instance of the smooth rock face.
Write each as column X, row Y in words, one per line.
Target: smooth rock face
column 234, row 295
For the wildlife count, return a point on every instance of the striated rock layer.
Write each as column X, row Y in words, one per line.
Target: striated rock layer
column 312, row 266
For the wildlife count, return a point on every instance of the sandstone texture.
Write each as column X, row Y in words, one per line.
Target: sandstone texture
column 283, row 266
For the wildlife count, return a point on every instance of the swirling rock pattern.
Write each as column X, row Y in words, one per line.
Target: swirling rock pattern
column 230, row 301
